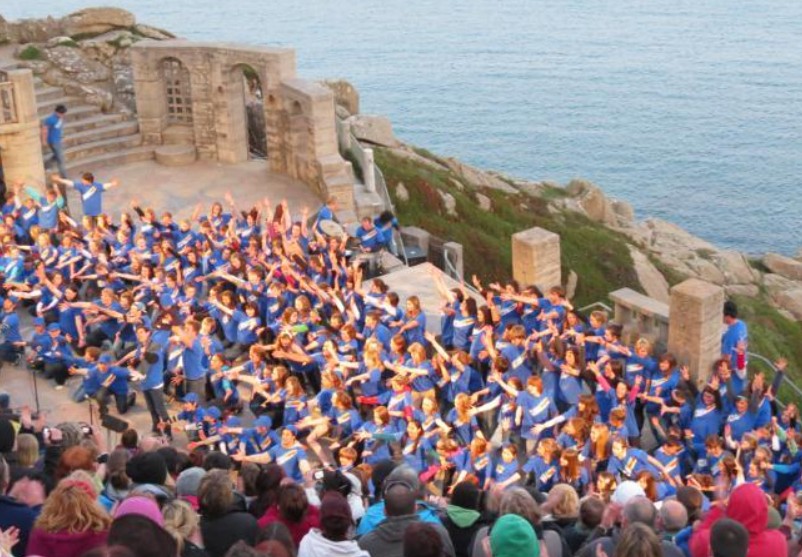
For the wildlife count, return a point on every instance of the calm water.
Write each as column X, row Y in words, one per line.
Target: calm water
column 690, row 110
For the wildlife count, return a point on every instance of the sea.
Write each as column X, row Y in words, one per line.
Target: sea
column 690, row 110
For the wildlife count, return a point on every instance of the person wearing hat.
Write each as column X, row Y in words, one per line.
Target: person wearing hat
column 191, row 416
column 187, row 484
column 513, row 536
column 400, row 505
column 259, row 438
column 40, row 341
column 12, row 346
column 113, row 381
column 57, row 357
column 289, row 454
column 332, row 538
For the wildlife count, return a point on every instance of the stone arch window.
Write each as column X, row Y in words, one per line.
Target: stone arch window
column 178, row 91
column 296, row 109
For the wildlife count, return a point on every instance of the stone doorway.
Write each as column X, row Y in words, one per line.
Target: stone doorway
column 253, row 105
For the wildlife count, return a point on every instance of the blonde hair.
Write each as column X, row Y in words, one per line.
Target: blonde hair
column 564, row 501
column 73, row 508
column 180, row 520
column 27, row 450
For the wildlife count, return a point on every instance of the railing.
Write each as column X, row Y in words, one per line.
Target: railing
column 600, row 305
column 797, row 396
column 349, row 144
column 8, row 104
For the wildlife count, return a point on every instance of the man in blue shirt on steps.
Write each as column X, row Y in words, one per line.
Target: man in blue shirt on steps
column 52, row 133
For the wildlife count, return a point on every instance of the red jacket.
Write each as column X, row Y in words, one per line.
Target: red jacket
column 297, row 529
column 748, row 506
column 64, row 544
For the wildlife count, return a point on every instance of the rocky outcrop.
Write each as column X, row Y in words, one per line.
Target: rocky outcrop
column 476, row 177
column 373, row 129
column 449, row 202
column 651, row 279
column 785, row 266
column 86, row 53
column 345, row 94
column 597, row 206
column 483, row 201
column 95, row 21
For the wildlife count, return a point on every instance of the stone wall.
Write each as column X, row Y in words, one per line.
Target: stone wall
column 299, row 115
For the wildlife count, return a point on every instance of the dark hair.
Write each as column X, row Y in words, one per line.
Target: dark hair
column 130, row 531
column 216, row 461
column 729, row 538
column 267, row 485
column 276, row 531
column 129, row 438
column 590, row 512
column 172, row 458
column 422, row 540
column 60, row 109
column 691, row 498
column 730, row 309
column 292, row 502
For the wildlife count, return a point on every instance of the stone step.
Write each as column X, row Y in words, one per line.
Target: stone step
column 117, row 129
column 74, row 113
column 175, row 155
column 113, row 144
column 47, row 106
column 92, row 122
column 45, row 93
column 116, row 158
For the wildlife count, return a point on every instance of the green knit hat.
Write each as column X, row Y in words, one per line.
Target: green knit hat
column 513, row 536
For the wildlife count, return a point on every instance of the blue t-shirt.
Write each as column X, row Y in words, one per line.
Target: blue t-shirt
column 290, row 460
column 54, row 126
column 91, row 197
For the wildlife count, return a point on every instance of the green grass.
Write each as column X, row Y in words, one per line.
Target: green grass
column 598, row 255
column 30, row 52
column 774, row 336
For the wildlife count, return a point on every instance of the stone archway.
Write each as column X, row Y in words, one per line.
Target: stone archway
column 253, row 104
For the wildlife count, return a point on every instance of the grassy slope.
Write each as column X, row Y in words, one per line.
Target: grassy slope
column 598, row 255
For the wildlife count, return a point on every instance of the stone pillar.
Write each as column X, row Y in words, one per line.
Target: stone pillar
column 150, row 95
column 21, row 142
column 453, row 251
column 694, row 330
column 369, row 172
column 536, row 258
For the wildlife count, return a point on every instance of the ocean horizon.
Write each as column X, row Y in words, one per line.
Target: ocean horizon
column 691, row 112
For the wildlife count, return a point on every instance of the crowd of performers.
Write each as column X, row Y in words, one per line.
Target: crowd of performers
column 258, row 335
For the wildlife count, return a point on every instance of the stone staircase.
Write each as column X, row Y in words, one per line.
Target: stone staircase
column 93, row 139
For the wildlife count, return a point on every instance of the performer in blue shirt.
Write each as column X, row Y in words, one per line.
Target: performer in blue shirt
column 90, row 190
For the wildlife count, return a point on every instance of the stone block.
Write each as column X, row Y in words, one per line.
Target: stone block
column 536, row 258
column 694, row 334
column 417, row 237
column 175, row 155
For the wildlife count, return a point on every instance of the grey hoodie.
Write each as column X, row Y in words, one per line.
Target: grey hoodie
column 387, row 539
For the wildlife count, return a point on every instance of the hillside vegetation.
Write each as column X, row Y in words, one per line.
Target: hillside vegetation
column 598, row 255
